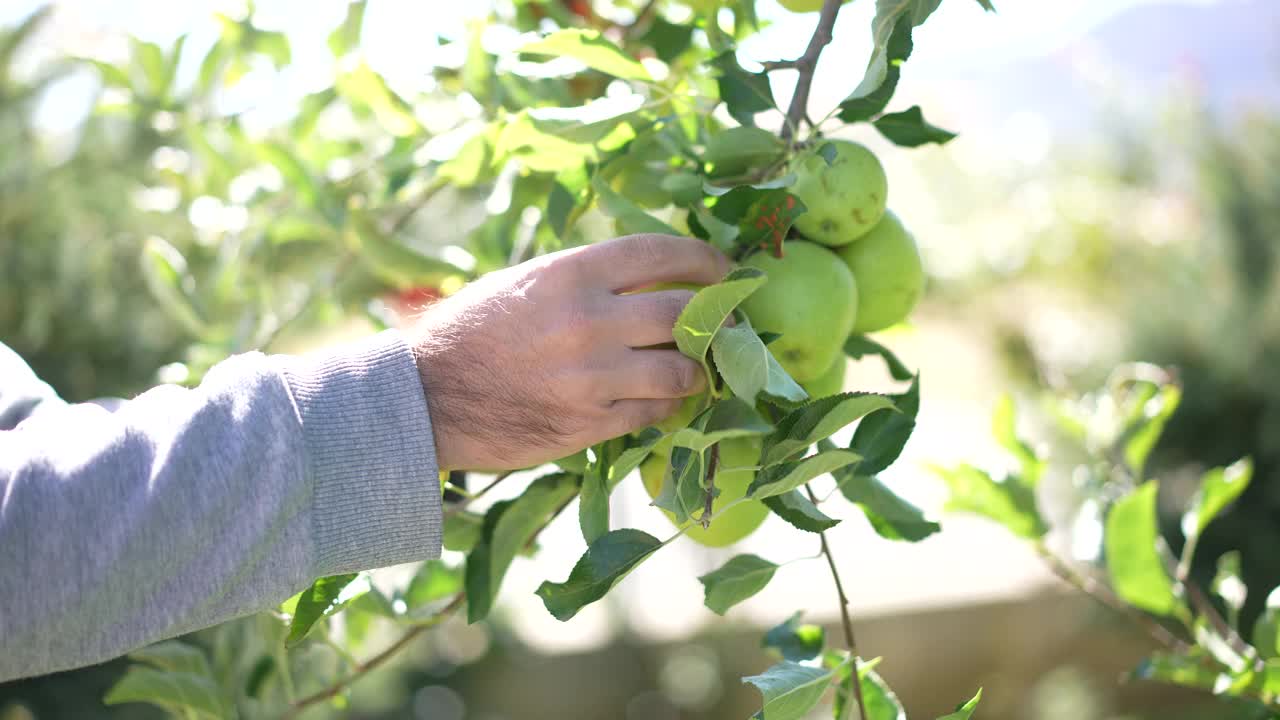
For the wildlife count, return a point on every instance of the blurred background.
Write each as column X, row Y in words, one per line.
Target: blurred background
column 1114, row 195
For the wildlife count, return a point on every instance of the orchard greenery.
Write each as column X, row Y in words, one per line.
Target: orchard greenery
column 1106, row 438
column 552, row 124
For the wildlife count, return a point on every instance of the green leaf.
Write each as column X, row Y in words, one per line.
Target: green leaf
column 181, row 693
column 685, row 187
column 735, row 581
column 667, row 39
column 1008, row 503
column 462, row 531
column 682, row 491
column 880, row 701
column 1141, row 437
column 909, row 128
column 860, row 107
column 702, row 318
column 965, row 711
column 741, row 149
column 560, row 206
column 347, row 35
column 728, row 418
column 785, row 477
column 473, row 163
column 367, row 91
column 575, row 463
column 174, row 656
column 889, row 13
column 631, row 458
column 434, row 581
column 744, row 94
column 631, row 218
column 798, row 510
column 797, row 642
column 372, row 603
column 164, row 270
column 1266, row 629
column 605, row 563
column 1219, row 487
column 512, row 526
column 892, row 517
column 597, row 485
column 748, row 368
column 790, row 690
column 1004, row 428
column 314, row 603
column 590, row 48
column 881, row 436
column 258, row 676
column 858, row 346
column 1133, row 544
column 820, row 419
column 150, row 58
column 274, row 45
column 987, row 5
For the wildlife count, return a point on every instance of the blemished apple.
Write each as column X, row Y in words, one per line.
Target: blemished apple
column 844, row 199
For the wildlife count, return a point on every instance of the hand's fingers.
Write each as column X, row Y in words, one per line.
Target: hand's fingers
column 637, row 261
column 630, row 415
column 654, row 374
column 646, row 319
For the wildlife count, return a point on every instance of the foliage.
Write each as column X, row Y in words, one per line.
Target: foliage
column 1204, row 643
column 590, row 124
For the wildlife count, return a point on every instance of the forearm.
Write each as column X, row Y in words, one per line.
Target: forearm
column 185, row 508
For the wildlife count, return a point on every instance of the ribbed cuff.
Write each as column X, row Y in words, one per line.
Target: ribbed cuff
column 371, row 455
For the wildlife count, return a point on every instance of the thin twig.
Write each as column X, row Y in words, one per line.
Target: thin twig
column 373, row 662
column 711, row 485
column 806, row 64
column 460, row 506
column 1202, row 605
column 1103, row 594
column 845, row 621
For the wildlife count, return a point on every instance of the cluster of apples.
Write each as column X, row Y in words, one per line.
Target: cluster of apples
column 855, row 270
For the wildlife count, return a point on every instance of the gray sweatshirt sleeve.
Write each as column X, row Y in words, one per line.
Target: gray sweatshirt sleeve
column 187, row 507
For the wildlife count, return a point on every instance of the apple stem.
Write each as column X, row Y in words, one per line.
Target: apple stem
column 845, row 621
column 806, row 64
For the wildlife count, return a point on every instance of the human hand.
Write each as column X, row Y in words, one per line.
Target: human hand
column 540, row 360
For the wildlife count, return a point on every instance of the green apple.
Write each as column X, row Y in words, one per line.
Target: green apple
column 810, row 299
column 844, row 199
column 886, row 264
column 737, row 522
column 802, row 6
column 830, row 382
